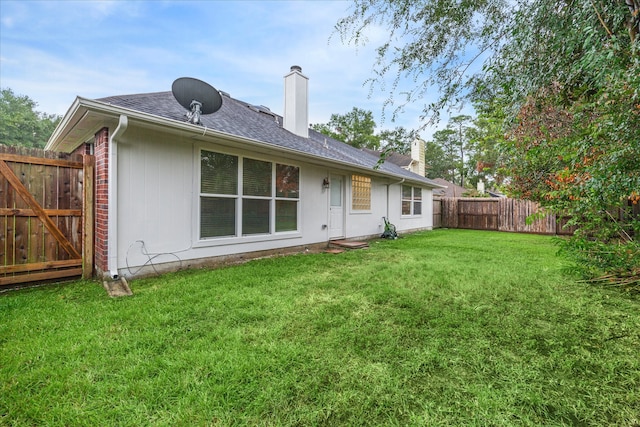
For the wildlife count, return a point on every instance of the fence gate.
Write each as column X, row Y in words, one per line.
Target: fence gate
column 45, row 230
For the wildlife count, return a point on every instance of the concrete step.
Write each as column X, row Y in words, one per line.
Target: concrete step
column 347, row 244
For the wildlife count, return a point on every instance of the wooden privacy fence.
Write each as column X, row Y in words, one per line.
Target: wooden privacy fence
column 500, row 214
column 46, row 215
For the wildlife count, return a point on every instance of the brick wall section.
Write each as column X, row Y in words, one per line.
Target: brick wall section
column 101, row 153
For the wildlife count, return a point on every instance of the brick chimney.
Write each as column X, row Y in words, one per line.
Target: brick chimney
column 296, row 102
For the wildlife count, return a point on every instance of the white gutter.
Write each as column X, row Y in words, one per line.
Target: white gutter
column 112, row 233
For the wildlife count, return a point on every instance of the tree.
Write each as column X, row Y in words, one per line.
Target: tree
column 566, row 75
column 21, row 124
column 461, row 126
column 438, row 164
column 442, row 156
column 441, row 44
column 445, row 154
column 485, row 138
column 430, row 42
column 397, row 140
column 356, row 128
column 574, row 144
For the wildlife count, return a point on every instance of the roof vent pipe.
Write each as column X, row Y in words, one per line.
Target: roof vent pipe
column 296, row 102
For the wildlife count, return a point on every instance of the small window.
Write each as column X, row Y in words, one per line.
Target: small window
column 217, row 217
column 286, row 215
column 360, row 193
column 411, row 200
column 287, row 195
column 287, row 181
column 218, row 173
column 218, row 194
column 255, row 216
column 256, row 178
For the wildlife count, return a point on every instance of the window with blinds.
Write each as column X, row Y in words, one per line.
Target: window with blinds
column 268, row 201
column 411, row 200
column 218, row 194
column 360, row 193
column 287, row 195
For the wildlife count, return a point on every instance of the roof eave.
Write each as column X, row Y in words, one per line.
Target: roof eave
column 80, row 123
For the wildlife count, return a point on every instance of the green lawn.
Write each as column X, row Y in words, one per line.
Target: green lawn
column 450, row 327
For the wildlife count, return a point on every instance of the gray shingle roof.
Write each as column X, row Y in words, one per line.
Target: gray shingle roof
column 401, row 160
column 238, row 118
column 452, row 190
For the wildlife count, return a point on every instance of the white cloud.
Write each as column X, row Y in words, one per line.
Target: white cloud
column 7, row 21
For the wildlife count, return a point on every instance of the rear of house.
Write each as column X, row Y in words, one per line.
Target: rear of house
column 243, row 183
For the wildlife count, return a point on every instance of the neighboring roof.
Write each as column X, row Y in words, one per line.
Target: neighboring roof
column 452, row 190
column 401, row 160
column 493, row 193
column 236, row 118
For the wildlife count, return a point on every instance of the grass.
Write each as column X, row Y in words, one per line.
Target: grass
column 450, row 327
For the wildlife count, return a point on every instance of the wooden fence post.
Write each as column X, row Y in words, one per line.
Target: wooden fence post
column 88, row 171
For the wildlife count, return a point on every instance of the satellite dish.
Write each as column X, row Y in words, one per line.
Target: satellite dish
column 196, row 96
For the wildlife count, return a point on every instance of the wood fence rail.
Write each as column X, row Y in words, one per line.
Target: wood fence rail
column 45, row 230
column 499, row 214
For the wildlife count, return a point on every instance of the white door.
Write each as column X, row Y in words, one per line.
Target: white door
column 336, row 207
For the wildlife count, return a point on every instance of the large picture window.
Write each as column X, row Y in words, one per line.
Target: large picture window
column 360, row 193
column 240, row 196
column 411, row 200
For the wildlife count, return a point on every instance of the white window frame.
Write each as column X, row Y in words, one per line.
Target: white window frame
column 239, row 237
column 412, row 200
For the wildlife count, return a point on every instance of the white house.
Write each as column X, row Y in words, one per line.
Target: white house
column 242, row 183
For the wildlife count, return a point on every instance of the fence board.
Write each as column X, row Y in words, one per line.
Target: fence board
column 437, row 214
column 64, row 191
column 3, row 240
column 10, row 257
column 50, row 175
column 38, row 277
column 88, row 171
column 51, row 246
column 35, row 240
column 38, row 266
column 20, row 172
column 21, row 240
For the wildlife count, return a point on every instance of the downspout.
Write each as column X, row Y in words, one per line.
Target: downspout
column 112, row 234
column 389, row 185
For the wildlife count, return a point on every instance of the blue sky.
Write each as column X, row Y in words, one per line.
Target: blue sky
column 53, row 51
